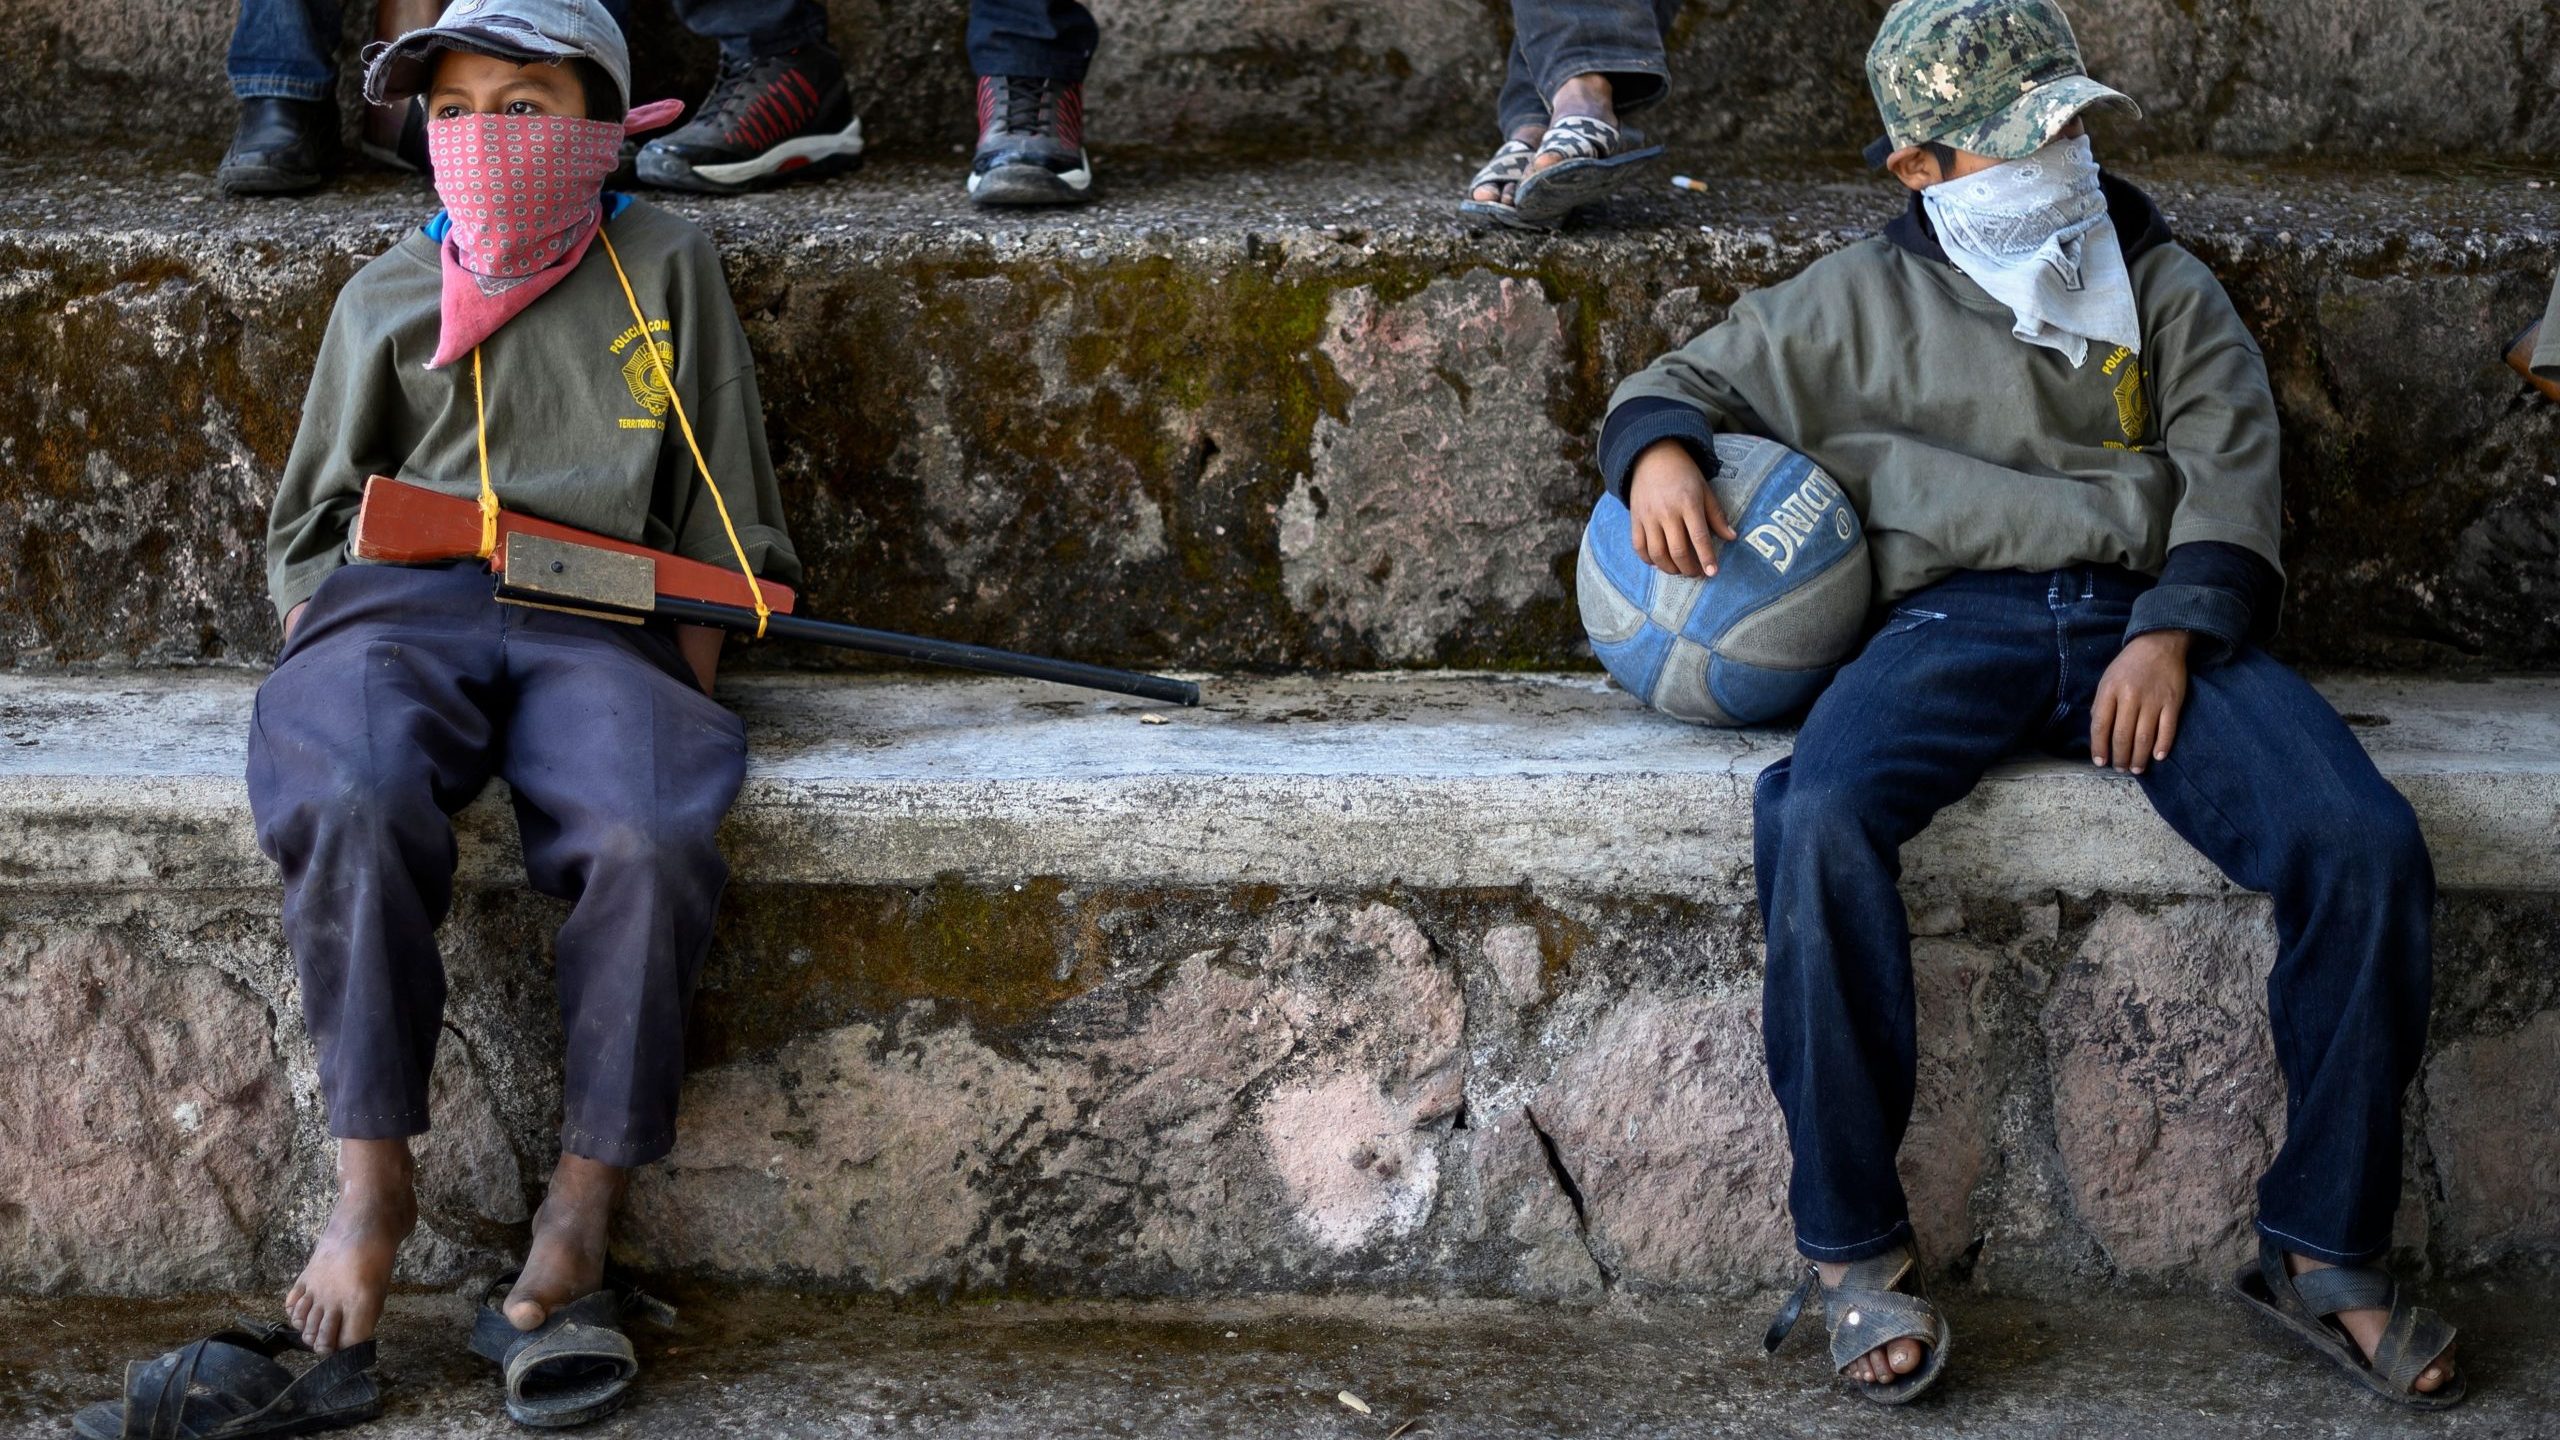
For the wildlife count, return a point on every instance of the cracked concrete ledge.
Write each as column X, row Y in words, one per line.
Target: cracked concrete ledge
column 1426, row 985
column 778, row 1366
column 1560, row 783
column 1242, row 417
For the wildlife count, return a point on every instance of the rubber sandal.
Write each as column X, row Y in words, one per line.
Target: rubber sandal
column 229, row 1386
column 1591, row 168
column 2412, row 1339
column 1507, row 166
column 1868, row 1308
column 575, row 1366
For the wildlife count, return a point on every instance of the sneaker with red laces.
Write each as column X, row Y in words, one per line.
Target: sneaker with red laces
column 1030, row 143
column 783, row 117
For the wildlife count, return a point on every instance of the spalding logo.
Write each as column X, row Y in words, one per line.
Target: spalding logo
column 1796, row 519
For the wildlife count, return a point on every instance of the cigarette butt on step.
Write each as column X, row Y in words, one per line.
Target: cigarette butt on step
column 1683, row 182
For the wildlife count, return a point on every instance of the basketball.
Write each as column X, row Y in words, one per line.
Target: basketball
column 1755, row 643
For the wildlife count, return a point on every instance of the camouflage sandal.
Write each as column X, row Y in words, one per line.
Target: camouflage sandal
column 1594, row 158
column 1508, row 165
column 2413, row 1339
column 1870, row 1307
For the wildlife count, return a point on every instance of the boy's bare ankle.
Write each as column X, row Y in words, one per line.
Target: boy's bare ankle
column 378, row 1174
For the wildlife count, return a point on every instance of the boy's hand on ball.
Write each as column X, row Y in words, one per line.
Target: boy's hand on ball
column 2135, row 720
column 1675, row 520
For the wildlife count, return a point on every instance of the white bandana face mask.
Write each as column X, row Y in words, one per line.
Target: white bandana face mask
column 2035, row 234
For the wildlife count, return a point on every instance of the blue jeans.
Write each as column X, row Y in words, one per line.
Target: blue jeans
column 2264, row 779
column 1554, row 40
column 1045, row 39
column 287, row 49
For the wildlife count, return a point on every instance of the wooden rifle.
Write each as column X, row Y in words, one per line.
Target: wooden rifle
column 551, row 566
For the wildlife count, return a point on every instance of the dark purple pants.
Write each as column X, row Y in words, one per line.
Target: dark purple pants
column 402, row 692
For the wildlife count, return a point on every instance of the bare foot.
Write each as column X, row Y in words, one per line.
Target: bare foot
column 566, row 1260
column 1501, row 193
column 1582, row 95
column 338, row 1297
column 1885, row 1363
column 2365, row 1328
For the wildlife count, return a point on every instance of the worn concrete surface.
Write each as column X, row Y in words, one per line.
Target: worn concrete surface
column 2251, row 76
column 1239, row 416
column 1384, row 984
column 776, row 1367
column 1559, row 782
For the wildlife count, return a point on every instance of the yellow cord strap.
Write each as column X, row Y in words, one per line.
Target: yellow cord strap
column 658, row 359
column 488, row 493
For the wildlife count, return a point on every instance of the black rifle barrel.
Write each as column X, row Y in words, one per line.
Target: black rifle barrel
column 936, row 652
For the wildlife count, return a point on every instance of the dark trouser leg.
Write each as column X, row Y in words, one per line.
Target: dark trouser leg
column 2271, row 786
column 372, row 730
column 1961, row 690
column 753, row 29
column 1556, row 40
column 285, row 49
column 1036, row 39
column 621, row 773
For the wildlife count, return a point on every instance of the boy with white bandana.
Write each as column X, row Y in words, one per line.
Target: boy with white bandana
column 2062, row 441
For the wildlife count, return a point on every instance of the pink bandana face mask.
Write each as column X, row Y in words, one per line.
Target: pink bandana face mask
column 525, row 194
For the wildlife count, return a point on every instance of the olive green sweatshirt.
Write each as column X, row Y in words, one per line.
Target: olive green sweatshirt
column 580, row 429
column 1966, row 448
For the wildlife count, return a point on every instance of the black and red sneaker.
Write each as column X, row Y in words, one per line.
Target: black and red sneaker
column 1030, row 143
column 784, row 117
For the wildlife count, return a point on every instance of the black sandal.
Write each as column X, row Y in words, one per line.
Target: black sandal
column 229, row 1386
column 1867, row 1309
column 1591, row 166
column 1507, row 167
column 2412, row 1339
column 575, row 1366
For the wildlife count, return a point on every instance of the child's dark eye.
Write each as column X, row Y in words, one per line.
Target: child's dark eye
column 448, row 112
column 523, row 107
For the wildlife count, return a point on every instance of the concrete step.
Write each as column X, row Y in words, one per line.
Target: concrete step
column 781, row 1366
column 1438, row 985
column 2269, row 76
column 1236, row 416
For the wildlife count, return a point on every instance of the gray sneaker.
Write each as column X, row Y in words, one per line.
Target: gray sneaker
column 1030, row 143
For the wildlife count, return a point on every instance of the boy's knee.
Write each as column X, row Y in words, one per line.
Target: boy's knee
column 2371, row 841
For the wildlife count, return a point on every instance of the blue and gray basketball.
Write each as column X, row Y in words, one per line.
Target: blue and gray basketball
column 1756, row 643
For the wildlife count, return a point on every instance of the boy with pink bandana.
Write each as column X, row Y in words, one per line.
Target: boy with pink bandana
column 561, row 351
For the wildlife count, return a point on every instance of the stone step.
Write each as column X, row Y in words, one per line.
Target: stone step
column 2272, row 76
column 783, row 1366
column 1238, row 416
column 1433, row 985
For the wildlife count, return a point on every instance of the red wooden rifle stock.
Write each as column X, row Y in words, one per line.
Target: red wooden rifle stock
column 404, row 524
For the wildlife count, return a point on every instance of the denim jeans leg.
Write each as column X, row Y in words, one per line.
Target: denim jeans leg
column 1036, row 39
column 1961, row 676
column 1521, row 105
column 285, row 50
column 1621, row 39
column 753, row 29
column 2272, row 786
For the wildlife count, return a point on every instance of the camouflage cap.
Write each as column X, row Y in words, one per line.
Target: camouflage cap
column 1996, row 77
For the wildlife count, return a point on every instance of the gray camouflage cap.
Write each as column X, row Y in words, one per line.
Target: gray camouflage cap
column 525, row 31
column 1996, row 77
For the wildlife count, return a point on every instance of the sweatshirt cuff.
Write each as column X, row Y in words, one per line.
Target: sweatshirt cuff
column 302, row 582
column 1638, row 424
column 2217, row 618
